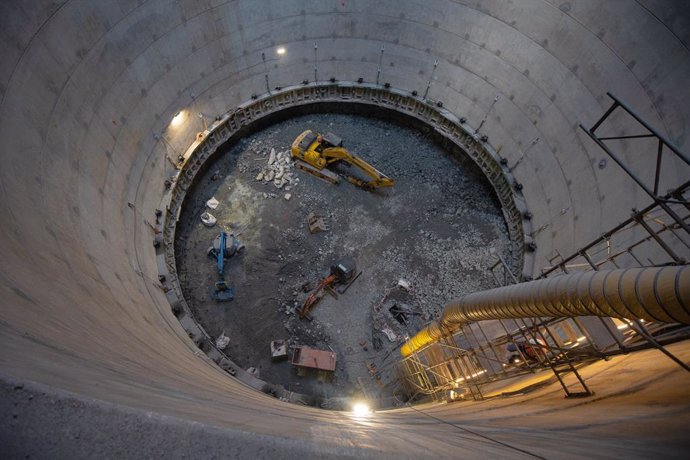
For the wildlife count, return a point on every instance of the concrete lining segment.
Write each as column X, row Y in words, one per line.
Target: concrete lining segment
column 80, row 311
column 42, row 421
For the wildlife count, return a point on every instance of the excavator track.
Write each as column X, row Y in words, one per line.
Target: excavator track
column 323, row 174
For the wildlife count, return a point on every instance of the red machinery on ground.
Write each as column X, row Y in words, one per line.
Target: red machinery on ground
column 343, row 272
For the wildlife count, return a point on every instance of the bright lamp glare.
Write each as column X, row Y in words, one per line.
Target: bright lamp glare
column 280, row 51
column 361, row 409
column 177, row 119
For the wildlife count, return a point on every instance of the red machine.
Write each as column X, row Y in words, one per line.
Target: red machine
column 343, row 272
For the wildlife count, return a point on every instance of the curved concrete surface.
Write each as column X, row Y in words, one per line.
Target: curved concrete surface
column 87, row 86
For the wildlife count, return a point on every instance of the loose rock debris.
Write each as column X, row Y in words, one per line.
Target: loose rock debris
column 212, row 203
column 279, row 172
column 419, row 244
column 222, row 341
column 208, row 219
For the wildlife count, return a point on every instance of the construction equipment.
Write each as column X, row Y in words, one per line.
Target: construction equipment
column 343, row 272
column 279, row 350
column 316, row 223
column 224, row 247
column 306, row 359
column 314, row 152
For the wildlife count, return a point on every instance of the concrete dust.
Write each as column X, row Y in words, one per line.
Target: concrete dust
column 439, row 227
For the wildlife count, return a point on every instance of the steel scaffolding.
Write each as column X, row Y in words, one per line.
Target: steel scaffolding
column 459, row 365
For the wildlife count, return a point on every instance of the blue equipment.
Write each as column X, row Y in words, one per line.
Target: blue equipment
column 224, row 246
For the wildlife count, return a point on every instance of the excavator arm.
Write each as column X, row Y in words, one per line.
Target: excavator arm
column 314, row 298
column 378, row 179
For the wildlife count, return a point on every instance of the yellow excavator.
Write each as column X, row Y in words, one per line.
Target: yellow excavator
column 314, row 152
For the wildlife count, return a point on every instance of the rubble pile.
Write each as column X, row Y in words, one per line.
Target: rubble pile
column 278, row 171
column 466, row 253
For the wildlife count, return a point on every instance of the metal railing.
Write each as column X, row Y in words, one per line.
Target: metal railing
column 480, row 353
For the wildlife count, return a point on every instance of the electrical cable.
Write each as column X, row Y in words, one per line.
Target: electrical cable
column 478, row 434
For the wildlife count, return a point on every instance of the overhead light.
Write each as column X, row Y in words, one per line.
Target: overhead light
column 280, row 50
column 361, row 409
column 178, row 118
column 476, row 374
column 581, row 339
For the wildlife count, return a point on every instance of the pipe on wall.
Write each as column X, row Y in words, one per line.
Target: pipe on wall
column 653, row 294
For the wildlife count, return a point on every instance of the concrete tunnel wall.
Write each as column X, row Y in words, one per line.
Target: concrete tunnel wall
column 86, row 87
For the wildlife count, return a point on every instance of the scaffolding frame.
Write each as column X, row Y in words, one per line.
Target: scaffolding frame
column 657, row 235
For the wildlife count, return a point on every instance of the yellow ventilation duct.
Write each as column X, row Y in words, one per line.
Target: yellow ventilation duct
column 654, row 294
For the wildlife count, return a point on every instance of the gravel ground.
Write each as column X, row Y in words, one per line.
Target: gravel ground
column 438, row 228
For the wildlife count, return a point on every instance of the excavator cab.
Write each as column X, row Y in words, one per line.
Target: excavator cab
column 308, row 148
column 344, row 270
column 305, row 140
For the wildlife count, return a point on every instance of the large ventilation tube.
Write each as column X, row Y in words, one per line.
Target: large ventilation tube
column 654, row 294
